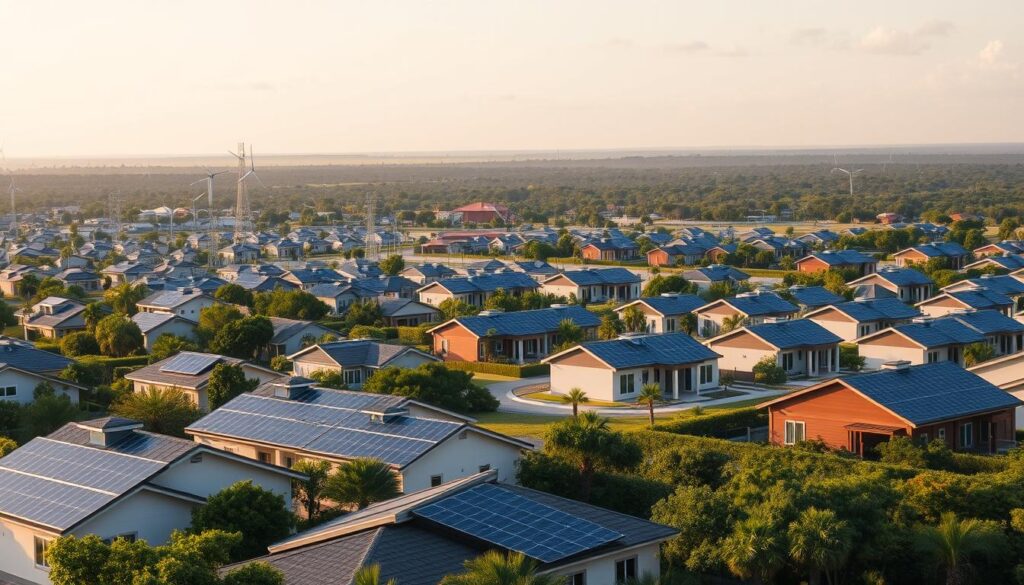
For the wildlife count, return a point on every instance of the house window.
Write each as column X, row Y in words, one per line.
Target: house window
column 924, row 439
column 941, row 434
column 670, row 324
column 41, row 546
column 577, row 579
column 864, row 330
column 933, row 356
column 787, row 361
column 9, row 391
column 436, row 480
column 627, row 383
column 484, row 468
column 264, row 457
column 705, row 374
column 966, row 435
column 353, row 377
column 794, row 432
column 625, row 570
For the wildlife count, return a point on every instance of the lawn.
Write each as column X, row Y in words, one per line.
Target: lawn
column 548, row 397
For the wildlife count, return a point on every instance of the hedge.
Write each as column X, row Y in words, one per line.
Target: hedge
column 718, row 424
column 415, row 335
column 510, row 370
column 107, row 365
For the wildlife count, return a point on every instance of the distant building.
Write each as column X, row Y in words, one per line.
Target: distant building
column 482, row 212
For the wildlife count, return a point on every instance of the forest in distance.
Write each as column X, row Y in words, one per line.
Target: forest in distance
column 707, row 188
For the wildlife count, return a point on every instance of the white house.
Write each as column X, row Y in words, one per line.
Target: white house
column 153, row 325
column 184, row 301
column 594, row 285
column 356, row 359
column 62, row 484
column 189, row 372
column 863, row 316
column 800, row 347
column 1007, row 373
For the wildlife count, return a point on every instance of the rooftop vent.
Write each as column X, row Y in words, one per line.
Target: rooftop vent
column 106, row 432
column 386, row 415
column 670, row 295
column 288, row 388
column 490, row 312
column 896, row 365
column 559, row 306
column 775, row 320
column 922, row 320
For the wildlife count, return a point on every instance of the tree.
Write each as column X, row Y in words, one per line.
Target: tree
column 634, row 320
column 756, row 549
column 370, row 575
column 977, row 353
column 261, row 516
column 213, row 319
column 118, row 336
column 364, row 313
column 732, row 322
column 850, row 358
column 435, row 384
column 226, row 382
column 953, row 543
column 650, row 394
column 329, row 379
column 27, row 286
column 161, row 410
column 362, row 482
column 672, row 283
column 820, row 542
column 496, row 568
column 124, row 297
column 290, row 304
column 567, row 335
column 257, row 573
column 79, row 343
column 1008, row 228
column 452, row 308
column 575, row 397
column 93, row 313
column 48, row 411
column 234, row 294
column 7, row 316
column 587, row 443
column 241, row 338
column 610, row 328
column 7, row 446
column 834, row 281
column 169, row 344
column 310, row 490
column 768, row 371
column 392, row 265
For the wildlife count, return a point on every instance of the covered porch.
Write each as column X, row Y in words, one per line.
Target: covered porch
column 520, row 350
column 863, row 438
column 674, row 381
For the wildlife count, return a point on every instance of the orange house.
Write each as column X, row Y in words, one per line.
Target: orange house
column 934, row 401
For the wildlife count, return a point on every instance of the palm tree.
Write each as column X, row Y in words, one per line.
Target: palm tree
column 370, row 575
column 587, row 442
column 732, row 322
column 309, row 490
column 634, row 320
column 362, row 482
column 610, row 327
column 755, row 550
column 820, row 542
column 575, row 397
column 161, row 410
column 92, row 314
column 650, row 394
column 567, row 335
column 953, row 542
column 495, row 568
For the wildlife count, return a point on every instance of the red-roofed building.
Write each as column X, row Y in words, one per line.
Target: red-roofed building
column 481, row 212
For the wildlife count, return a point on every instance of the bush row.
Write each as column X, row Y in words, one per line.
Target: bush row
column 718, row 424
column 510, row 370
column 415, row 335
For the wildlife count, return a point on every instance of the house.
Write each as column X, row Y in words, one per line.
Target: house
column 928, row 340
column 718, row 253
column 800, row 347
column 615, row 249
column 107, row 477
column 53, row 318
column 1006, row 372
column 12, row 275
column 307, row 278
column 809, row 298
column 1009, row 262
column 906, row 284
column 924, row 402
column 819, row 238
column 23, row 368
column 283, row 249
column 854, row 319
column 184, row 301
column 979, row 298
column 125, row 272
column 594, row 285
column 23, row 355
column 263, row 283
column 291, row 335
column 1005, row 285
column 706, row 276
column 87, row 279
column 755, row 234
column 779, row 246
column 475, row 290
column 616, row 369
column 398, row 534
column 292, row 419
column 427, row 273
column 240, row 253
column 338, row 296
column 676, row 254
column 407, row 313
column 483, row 212
column 1010, row 247
column 954, row 254
column 852, row 260
column 665, row 313
column 536, row 269
column 356, row 359
column 153, row 325
column 889, row 218
column 753, row 307
column 521, row 336
column 189, row 372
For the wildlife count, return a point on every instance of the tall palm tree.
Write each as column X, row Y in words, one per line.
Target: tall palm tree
column 755, row 550
column 587, row 442
column 953, row 542
column 568, row 333
column 370, row 575
column 495, row 568
column 820, row 542
column 575, row 397
column 361, row 482
column 309, row 490
column 732, row 322
column 161, row 410
column 650, row 394
column 634, row 320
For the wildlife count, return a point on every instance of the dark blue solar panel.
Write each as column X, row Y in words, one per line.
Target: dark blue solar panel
column 190, row 364
column 514, row 522
column 47, row 502
column 80, row 465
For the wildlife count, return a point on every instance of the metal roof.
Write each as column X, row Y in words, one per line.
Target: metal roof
column 843, row 257
column 1000, row 284
column 592, row 276
column 715, row 273
column 350, row 353
column 534, row 322
column 794, row 333
column 761, row 303
column 939, row 332
column 487, row 282
column 877, row 309
column 904, row 276
column 814, row 296
column 649, row 350
column 673, row 304
column 979, row 298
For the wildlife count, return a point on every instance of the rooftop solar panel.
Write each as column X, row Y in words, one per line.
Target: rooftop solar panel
column 46, row 502
column 79, row 465
column 504, row 518
column 190, row 364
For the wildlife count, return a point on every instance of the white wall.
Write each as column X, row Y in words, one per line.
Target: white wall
column 740, row 359
column 174, row 327
column 461, row 457
column 875, row 355
column 152, row 516
column 215, row 472
column 601, row 571
column 26, row 385
column 846, row 330
column 596, row 382
column 17, row 552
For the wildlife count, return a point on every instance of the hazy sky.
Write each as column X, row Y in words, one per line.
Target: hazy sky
column 176, row 77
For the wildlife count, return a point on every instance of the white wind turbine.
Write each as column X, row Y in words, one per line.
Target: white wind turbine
column 13, row 190
column 850, row 174
column 209, row 199
column 243, row 211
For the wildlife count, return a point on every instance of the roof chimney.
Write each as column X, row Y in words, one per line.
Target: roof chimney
column 106, row 432
column 896, row 365
column 289, row 387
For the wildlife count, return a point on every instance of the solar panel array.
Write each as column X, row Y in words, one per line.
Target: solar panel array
column 506, row 519
column 189, row 363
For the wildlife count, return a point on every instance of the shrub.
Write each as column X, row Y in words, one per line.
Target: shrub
column 718, row 424
column 367, row 332
column 280, row 363
column 79, row 343
column 510, row 370
column 415, row 335
column 768, row 371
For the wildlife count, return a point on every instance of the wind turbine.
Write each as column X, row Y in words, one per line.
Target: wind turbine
column 12, row 189
column 194, row 217
column 209, row 195
column 243, row 213
column 850, row 174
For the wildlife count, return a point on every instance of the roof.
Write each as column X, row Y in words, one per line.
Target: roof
column 814, row 296
column 934, row 332
column 791, row 334
column 150, row 321
column 525, row 322
column 670, row 303
column 167, row 372
column 977, row 298
column 925, row 394
column 25, row 356
column 877, row 309
column 350, row 353
column 285, row 329
column 938, row 250
column 1001, row 284
column 716, row 273
column 389, row 307
column 841, row 257
column 592, row 276
column 644, row 350
column 168, row 299
column 902, row 276
column 482, row 206
column 759, row 303
column 485, row 283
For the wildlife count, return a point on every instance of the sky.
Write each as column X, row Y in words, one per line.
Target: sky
column 162, row 77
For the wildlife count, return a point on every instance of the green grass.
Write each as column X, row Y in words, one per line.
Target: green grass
column 489, row 378
column 547, row 397
column 14, row 331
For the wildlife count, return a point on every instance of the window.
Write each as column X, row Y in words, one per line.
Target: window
column 128, row 536
column 264, row 457
column 941, row 434
column 787, row 361
column 670, row 324
column 353, row 377
column 923, row 437
column 864, row 330
column 933, row 356
column 41, row 546
column 705, row 374
column 625, row 570
column 577, row 579
column 794, row 432
column 627, row 383
column 436, row 480
column 288, row 462
column 9, row 391
column 967, row 435
column 484, row 468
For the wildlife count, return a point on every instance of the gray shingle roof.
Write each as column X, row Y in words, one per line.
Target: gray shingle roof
column 843, row 257
column 150, row 321
column 904, row 276
column 533, row 322
column 650, row 350
column 488, row 282
column 24, row 356
column 154, row 372
column 814, row 296
column 793, row 334
column 1001, row 284
column 715, row 273
column 352, row 353
column 592, row 276
column 169, row 299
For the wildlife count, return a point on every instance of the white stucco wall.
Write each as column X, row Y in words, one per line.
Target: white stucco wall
column 26, row 385
column 596, row 382
column 601, row 571
column 17, row 552
column 875, row 355
column 174, row 327
column 150, row 515
column 846, row 330
column 459, row 457
column 215, row 472
column 740, row 359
